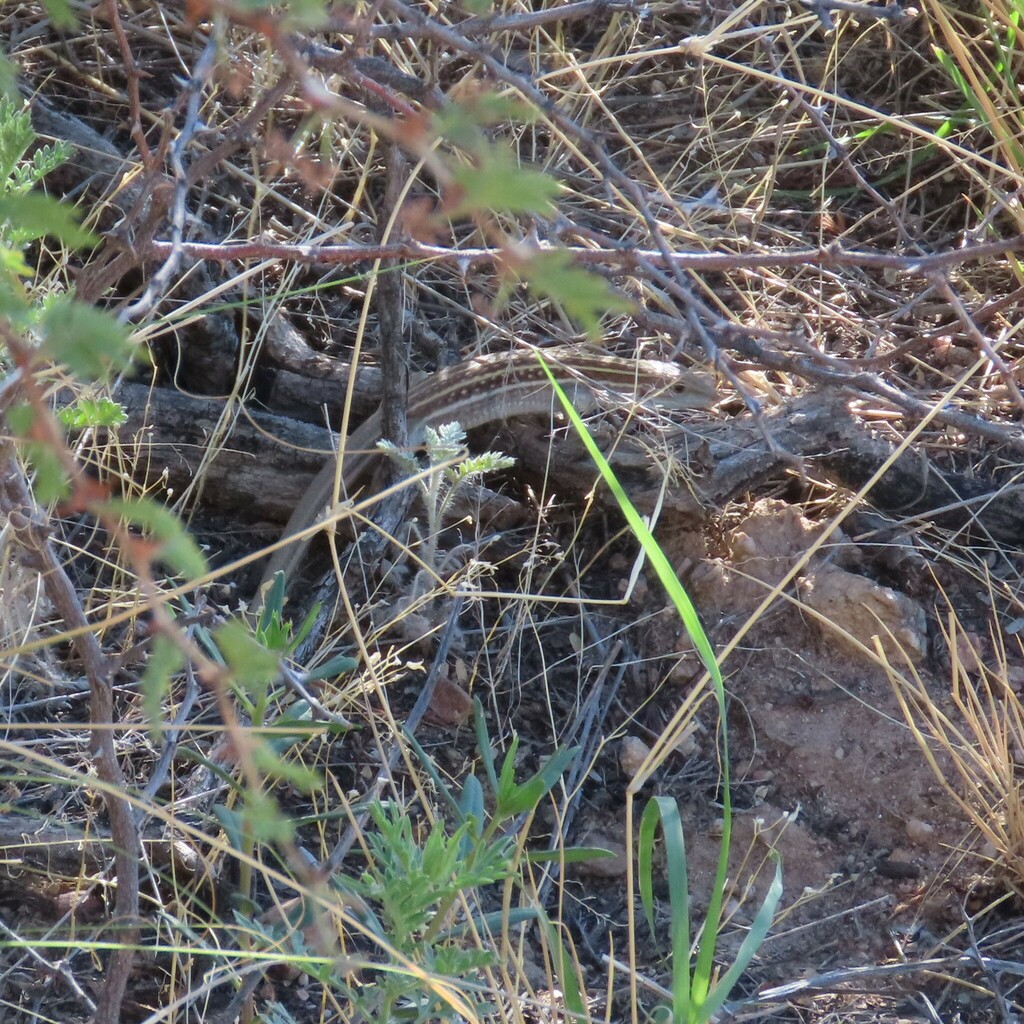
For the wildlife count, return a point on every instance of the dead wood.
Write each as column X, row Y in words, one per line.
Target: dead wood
column 43, row 859
column 260, row 472
column 269, row 459
column 836, row 444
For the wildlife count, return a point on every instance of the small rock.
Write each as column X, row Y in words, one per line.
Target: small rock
column 607, row 867
column 769, row 540
column 761, row 550
column 969, row 647
column 687, row 745
column 899, row 867
column 632, row 754
column 919, row 831
column 449, row 704
column 860, row 609
column 687, row 665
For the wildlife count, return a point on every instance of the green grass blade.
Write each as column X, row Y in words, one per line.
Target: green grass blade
column 641, row 531
column 667, row 811
column 434, row 775
column 483, row 742
column 702, row 973
column 751, row 944
column 565, row 968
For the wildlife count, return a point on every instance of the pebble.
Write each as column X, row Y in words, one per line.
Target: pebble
column 919, row 831
column 632, row 754
column 607, row 867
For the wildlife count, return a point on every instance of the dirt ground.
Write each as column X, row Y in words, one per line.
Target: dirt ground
column 880, row 864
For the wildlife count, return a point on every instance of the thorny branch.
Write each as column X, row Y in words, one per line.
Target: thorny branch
column 622, row 258
column 31, row 530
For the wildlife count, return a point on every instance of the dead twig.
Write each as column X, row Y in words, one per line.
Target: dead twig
column 32, row 532
column 624, row 258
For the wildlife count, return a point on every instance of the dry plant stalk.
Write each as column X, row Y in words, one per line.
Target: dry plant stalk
column 981, row 738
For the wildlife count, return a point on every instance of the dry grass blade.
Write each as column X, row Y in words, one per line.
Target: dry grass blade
column 973, row 737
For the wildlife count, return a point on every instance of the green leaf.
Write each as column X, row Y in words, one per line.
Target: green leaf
column 60, row 13
column 472, row 813
column 16, row 135
column 573, row 855
column 703, row 970
column 176, row 548
column 446, row 442
column 296, row 14
column 13, row 264
column 499, row 182
column 666, row 810
column 92, row 343
column 402, row 459
column 8, row 79
column 506, row 789
column 44, row 160
column 92, row 412
column 20, row 419
column 660, row 563
column 304, row 779
column 248, row 659
column 295, row 725
column 477, row 465
column 273, row 630
column 232, row 823
column 32, row 216
column 513, row 799
column 337, row 666
column 483, row 742
column 270, row 627
column 264, row 820
column 584, row 295
column 51, row 481
column 460, row 123
column 164, row 661
column 751, row 943
column 20, row 315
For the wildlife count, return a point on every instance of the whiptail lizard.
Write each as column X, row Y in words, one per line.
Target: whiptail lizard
column 488, row 389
